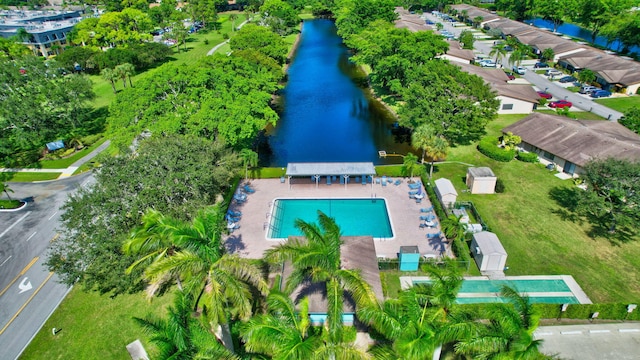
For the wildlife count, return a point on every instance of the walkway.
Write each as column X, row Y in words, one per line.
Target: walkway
column 213, row 50
column 64, row 173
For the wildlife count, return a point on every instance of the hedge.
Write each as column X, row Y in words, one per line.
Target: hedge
column 613, row 311
column 527, row 157
column 489, row 147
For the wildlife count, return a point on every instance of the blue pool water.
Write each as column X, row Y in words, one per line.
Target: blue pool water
column 349, row 215
column 475, row 291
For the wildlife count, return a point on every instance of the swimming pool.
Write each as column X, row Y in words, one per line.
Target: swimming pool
column 552, row 289
column 356, row 217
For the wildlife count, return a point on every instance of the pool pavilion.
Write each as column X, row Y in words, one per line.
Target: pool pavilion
column 333, row 172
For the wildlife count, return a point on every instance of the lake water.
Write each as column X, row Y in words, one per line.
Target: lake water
column 325, row 116
column 580, row 33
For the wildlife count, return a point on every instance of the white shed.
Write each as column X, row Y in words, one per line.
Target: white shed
column 445, row 192
column 481, row 180
column 488, row 251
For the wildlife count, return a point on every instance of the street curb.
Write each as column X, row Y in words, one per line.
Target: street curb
column 24, row 204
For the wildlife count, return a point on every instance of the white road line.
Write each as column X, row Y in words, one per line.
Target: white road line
column 32, row 235
column 547, row 333
column 14, row 224
column 6, row 260
column 570, row 332
column 599, row 331
column 628, row 330
column 52, row 215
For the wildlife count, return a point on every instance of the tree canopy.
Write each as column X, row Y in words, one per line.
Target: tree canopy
column 176, row 175
column 631, row 119
column 352, row 16
column 39, row 105
column 259, row 38
column 224, row 97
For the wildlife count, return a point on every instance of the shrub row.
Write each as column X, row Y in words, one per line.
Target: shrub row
column 612, row 311
column 527, row 157
column 489, row 147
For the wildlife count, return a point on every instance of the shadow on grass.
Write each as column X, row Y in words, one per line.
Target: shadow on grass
column 569, row 199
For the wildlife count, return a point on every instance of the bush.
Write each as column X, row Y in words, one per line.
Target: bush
column 542, row 101
column 489, row 147
column 225, row 36
column 90, row 139
column 499, row 186
column 527, row 157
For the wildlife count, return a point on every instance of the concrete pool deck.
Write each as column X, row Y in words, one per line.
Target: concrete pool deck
column 250, row 240
column 575, row 289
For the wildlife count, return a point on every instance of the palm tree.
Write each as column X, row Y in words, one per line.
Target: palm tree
column 111, row 76
column 421, row 137
column 317, row 258
column 410, row 164
column 547, row 54
column 180, row 335
column 233, row 18
column 498, row 51
column 250, row 159
column 477, row 21
column 4, row 187
column 509, row 332
column 453, row 228
column 437, row 149
column 124, row 71
column 219, row 282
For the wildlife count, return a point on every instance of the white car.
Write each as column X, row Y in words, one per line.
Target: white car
column 488, row 63
column 520, row 70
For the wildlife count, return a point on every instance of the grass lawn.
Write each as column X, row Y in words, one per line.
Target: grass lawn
column 95, row 327
column 622, row 103
column 66, row 162
column 582, row 115
column 32, row 176
column 537, row 238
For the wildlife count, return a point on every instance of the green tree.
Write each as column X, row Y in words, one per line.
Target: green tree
column 547, row 54
column 249, row 159
column 182, row 336
column 4, row 187
column 279, row 16
column 12, row 50
column 453, row 228
column 254, row 37
column 233, row 18
column 612, row 196
column 111, row 76
column 467, row 39
column 317, row 258
column 631, row 119
column 125, row 71
column 410, row 165
column 352, row 16
column 437, row 149
column 595, row 14
column 180, row 33
column 586, row 76
column 498, row 51
column 556, row 11
column 421, row 137
column 477, row 21
column 519, row 53
column 97, row 221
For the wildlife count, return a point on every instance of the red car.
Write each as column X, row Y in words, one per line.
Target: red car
column 510, row 75
column 545, row 95
column 560, row 104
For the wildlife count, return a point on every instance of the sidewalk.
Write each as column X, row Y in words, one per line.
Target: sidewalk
column 64, row 173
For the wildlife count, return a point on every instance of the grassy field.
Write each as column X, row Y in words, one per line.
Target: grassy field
column 95, row 327
column 538, row 239
column 582, row 115
column 32, row 176
column 622, row 103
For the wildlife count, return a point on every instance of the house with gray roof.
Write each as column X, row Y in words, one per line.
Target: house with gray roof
column 570, row 144
column 457, row 54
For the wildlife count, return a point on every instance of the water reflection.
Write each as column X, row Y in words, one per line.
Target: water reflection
column 325, row 117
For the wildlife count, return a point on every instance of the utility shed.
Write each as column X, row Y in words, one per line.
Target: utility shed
column 445, row 192
column 488, row 251
column 481, row 180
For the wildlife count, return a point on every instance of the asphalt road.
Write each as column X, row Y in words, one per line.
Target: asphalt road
column 29, row 293
column 579, row 101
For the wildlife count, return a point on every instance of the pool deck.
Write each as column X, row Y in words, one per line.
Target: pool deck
column 575, row 289
column 250, row 240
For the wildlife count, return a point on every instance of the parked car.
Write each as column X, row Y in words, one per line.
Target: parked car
column 488, row 63
column 587, row 89
column 540, row 65
column 560, row 104
column 510, row 75
column 508, row 48
column 520, row 70
column 545, row 95
column 600, row 93
column 567, row 79
column 553, row 72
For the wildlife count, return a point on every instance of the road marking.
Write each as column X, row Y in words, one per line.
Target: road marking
column 32, row 235
column 6, row 260
column 54, row 238
column 25, row 285
column 52, row 215
column 15, row 223
column 628, row 330
column 599, row 331
column 570, row 332
column 26, row 303
column 26, row 268
column 85, row 183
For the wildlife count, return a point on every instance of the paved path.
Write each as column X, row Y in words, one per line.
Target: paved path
column 64, row 173
column 213, row 50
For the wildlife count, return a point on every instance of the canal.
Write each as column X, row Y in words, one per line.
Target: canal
column 325, row 116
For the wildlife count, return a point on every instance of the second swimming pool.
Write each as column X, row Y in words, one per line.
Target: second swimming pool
column 356, row 217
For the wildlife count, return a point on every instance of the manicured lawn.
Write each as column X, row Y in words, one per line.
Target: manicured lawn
column 538, row 239
column 9, row 204
column 622, row 103
column 95, row 327
column 66, row 162
column 32, row 176
column 582, row 115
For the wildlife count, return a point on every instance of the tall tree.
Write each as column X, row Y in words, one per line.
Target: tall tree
column 586, row 76
column 410, row 165
column 547, row 54
column 631, row 119
column 249, row 159
column 354, row 15
column 594, row 14
column 467, row 39
column 4, row 187
column 555, row 11
column 261, row 39
column 124, row 72
column 279, row 16
column 421, row 137
column 498, row 51
column 437, row 149
column 317, row 258
column 111, row 76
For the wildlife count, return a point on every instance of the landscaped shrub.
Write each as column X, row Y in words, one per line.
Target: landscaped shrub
column 499, row 186
column 461, row 250
column 527, row 157
column 90, row 139
column 612, row 311
column 489, row 147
